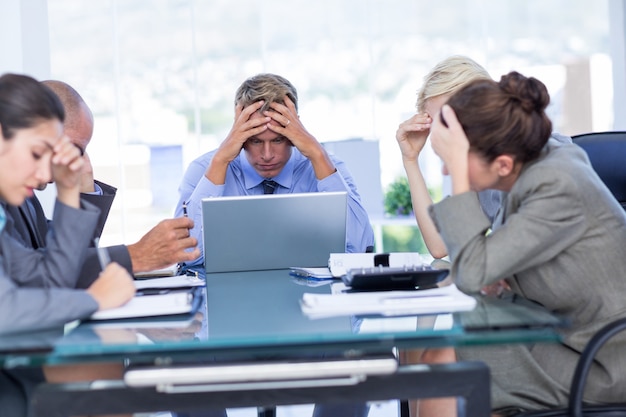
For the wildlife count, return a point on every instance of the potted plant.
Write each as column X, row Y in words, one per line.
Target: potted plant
column 398, row 198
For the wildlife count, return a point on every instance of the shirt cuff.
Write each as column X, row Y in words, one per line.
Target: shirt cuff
column 333, row 182
column 97, row 188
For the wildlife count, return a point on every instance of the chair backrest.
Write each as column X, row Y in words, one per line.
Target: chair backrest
column 583, row 367
column 607, row 153
column 575, row 407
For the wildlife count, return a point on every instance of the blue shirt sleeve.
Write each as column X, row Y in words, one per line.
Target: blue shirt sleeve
column 195, row 186
column 359, row 232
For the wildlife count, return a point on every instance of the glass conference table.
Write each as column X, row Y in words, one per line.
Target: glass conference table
column 250, row 345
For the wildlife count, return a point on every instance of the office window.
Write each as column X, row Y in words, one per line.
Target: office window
column 160, row 75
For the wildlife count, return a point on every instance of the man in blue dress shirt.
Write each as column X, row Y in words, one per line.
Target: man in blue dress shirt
column 268, row 142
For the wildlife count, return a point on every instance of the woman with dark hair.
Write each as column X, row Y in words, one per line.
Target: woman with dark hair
column 558, row 240
column 37, row 288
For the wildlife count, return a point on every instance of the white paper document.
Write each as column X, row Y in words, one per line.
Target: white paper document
column 446, row 299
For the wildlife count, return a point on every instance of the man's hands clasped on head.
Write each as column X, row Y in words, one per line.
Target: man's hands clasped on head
column 165, row 244
column 285, row 123
column 244, row 127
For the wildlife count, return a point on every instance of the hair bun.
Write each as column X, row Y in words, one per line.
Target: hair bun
column 530, row 92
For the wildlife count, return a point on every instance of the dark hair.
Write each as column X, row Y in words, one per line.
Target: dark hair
column 24, row 102
column 506, row 117
column 268, row 87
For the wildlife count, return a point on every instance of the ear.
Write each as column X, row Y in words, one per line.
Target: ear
column 503, row 165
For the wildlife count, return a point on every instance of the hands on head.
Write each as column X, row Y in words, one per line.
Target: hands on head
column 447, row 138
column 165, row 244
column 66, row 167
column 86, row 176
column 282, row 119
column 411, row 136
column 451, row 145
column 278, row 126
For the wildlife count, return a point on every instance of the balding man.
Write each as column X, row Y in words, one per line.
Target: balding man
column 78, row 126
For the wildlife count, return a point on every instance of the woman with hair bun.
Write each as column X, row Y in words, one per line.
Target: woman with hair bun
column 557, row 241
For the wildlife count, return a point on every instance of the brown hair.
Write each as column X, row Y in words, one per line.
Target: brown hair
column 504, row 118
column 24, row 103
column 268, row 87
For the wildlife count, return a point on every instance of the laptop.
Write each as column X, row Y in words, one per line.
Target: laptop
column 273, row 231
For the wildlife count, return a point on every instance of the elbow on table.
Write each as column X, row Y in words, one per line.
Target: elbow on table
column 438, row 253
column 468, row 287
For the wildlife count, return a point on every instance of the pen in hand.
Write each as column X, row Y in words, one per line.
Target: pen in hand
column 185, row 209
column 103, row 254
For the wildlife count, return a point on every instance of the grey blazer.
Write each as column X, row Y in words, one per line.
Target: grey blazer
column 28, row 225
column 36, row 287
column 561, row 243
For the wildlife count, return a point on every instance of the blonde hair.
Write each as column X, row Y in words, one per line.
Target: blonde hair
column 268, row 87
column 448, row 76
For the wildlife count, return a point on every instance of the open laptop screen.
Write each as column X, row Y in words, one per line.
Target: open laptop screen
column 274, row 231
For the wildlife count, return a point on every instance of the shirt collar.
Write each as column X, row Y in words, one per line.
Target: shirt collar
column 253, row 179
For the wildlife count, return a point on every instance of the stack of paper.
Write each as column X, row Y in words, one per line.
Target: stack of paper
column 168, row 271
column 446, row 299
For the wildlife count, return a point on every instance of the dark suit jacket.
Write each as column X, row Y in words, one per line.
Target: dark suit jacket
column 103, row 202
column 27, row 223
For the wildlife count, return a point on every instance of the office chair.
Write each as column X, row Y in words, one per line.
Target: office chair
column 607, row 153
column 575, row 407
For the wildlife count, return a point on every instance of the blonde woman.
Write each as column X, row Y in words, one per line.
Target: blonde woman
column 446, row 78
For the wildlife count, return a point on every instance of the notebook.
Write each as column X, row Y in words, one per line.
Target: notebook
column 274, row 231
column 166, row 302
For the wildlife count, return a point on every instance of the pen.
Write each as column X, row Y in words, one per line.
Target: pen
column 103, row 254
column 185, row 209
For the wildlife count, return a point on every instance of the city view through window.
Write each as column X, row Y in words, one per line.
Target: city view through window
column 160, row 75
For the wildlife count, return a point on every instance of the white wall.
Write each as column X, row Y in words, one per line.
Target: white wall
column 24, row 43
column 617, row 12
